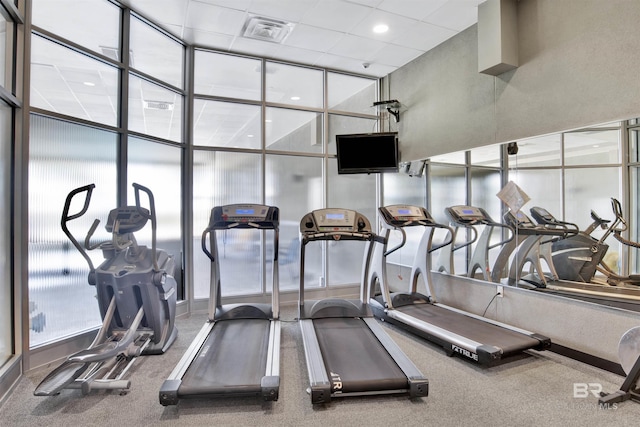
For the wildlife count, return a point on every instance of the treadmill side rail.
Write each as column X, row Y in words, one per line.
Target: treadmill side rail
column 270, row 383
column 418, row 383
column 320, row 387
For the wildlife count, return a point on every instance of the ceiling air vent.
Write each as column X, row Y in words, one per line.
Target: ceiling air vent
column 266, row 29
column 158, row 105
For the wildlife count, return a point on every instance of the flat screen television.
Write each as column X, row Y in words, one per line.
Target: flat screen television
column 367, row 152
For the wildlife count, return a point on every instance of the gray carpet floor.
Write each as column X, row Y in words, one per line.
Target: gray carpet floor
column 537, row 389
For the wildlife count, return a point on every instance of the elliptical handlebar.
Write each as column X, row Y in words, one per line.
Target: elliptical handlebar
column 151, row 214
column 88, row 189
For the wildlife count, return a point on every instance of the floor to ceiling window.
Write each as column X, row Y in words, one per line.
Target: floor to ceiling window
column 263, row 132
column 107, row 109
column 10, row 101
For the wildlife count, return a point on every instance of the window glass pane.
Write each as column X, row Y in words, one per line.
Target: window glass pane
column 63, row 157
column 156, row 54
column 294, row 184
column 448, row 188
column 69, row 83
column 351, row 93
column 293, row 130
column 486, row 156
column 227, row 75
column 154, row 110
column 225, row 124
column 158, row 167
column 585, row 194
column 3, row 48
column 222, row 178
column 340, row 125
column 457, row 158
column 634, row 227
column 541, row 151
column 592, row 147
column 356, row 192
column 287, row 84
column 544, row 187
column 74, row 20
column 6, row 294
column 400, row 188
column 634, row 145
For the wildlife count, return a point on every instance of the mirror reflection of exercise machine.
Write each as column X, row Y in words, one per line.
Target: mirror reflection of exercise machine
column 136, row 294
column 237, row 351
column 629, row 353
column 533, row 250
column 577, row 256
column 469, row 218
column 475, row 337
column 347, row 352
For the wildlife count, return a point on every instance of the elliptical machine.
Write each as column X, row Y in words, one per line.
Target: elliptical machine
column 136, row 293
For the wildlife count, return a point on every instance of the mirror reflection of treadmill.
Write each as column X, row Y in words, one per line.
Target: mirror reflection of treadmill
column 237, row 351
column 571, row 246
column 347, row 352
column 476, row 338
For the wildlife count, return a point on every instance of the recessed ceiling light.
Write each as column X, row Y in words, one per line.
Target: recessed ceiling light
column 91, row 84
column 381, row 28
column 295, row 98
column 250, row 136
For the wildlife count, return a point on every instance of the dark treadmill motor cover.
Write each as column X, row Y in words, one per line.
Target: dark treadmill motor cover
column 238, row 364
column 373, row 370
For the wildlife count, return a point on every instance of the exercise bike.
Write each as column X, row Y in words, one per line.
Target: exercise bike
column 136, row 293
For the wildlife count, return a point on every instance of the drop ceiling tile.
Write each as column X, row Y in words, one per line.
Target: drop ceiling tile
column 396, row 24
column 355, row 66
column 371, row 3
column 286, row 10
column 416, row 9
column 254, row 47
column 455, row 14
column 312, row 38
column 423, row 36
column 395, row 55
column 295, row 54
column 207, row 18
column 208, row 39
column 336, row 15
column 242, row 5
column 356, row 47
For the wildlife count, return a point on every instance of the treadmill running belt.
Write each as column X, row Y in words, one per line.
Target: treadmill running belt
column 232, row 359
column 354, row 356
column 477, row 330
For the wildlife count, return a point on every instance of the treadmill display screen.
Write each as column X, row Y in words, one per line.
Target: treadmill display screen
column 468, row 211
column 335, row 216
column 245, row 211
column 404, row 211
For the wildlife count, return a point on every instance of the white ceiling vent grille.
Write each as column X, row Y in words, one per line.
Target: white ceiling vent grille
column 158, row 105
column 266, row 29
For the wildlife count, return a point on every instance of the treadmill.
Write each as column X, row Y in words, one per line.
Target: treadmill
column 237, row 351
column 474, row 337
column 553, row 282
column 347, row 352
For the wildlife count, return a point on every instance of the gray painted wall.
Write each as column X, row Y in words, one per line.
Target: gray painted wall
column 578, row 67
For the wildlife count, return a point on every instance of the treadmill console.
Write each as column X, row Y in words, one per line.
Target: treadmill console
column 405, row 215
column 244, row 216
column 334, row 221
column 543, row 216
column 464, row 215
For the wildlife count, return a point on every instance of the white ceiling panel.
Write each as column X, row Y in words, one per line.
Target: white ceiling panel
column 331, row 33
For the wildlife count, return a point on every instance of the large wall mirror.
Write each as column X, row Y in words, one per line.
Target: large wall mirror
column 570, row 175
